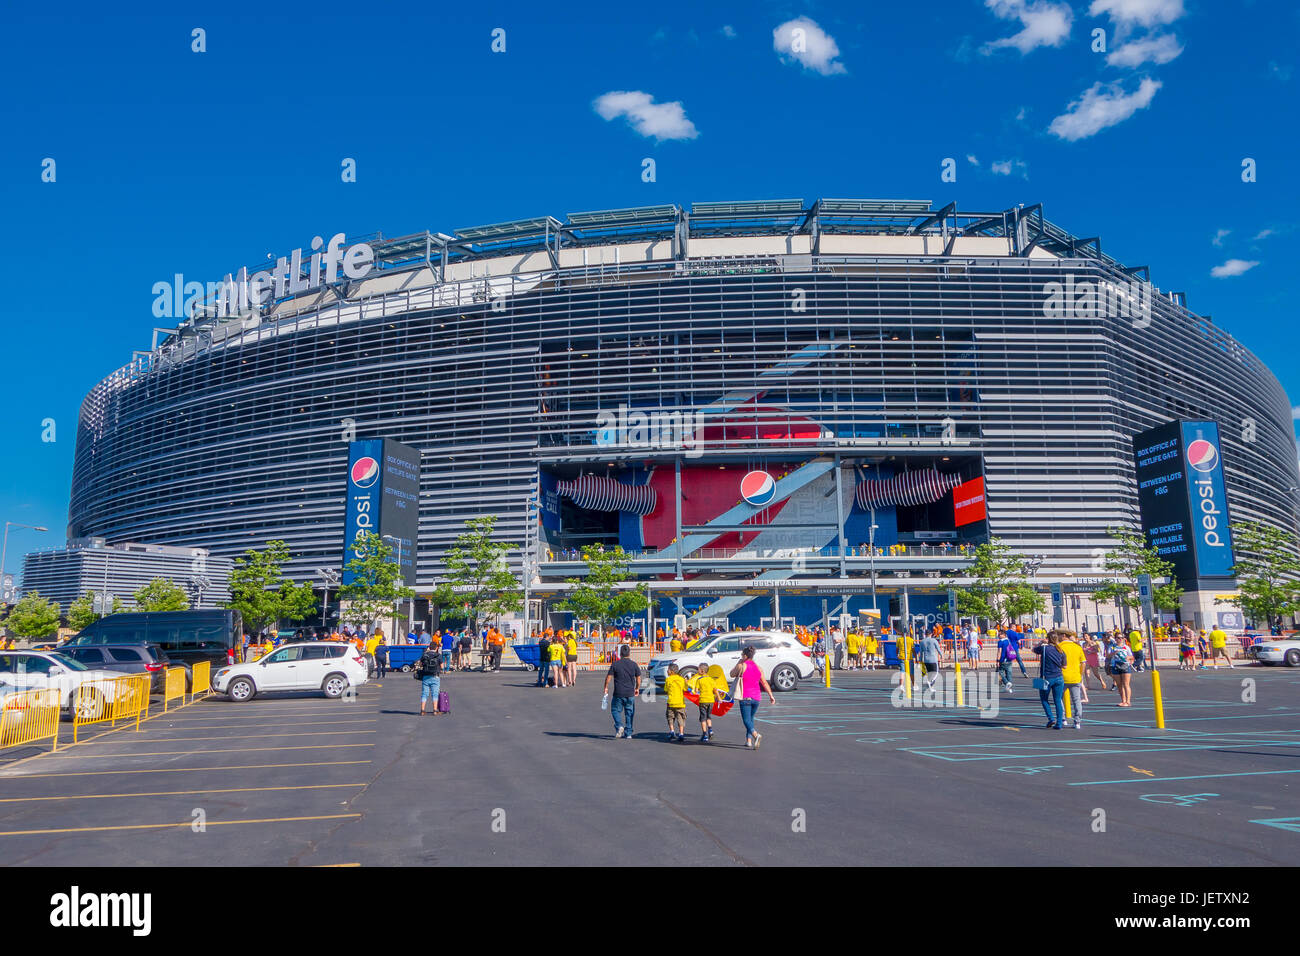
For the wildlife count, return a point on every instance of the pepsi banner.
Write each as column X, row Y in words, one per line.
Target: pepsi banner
column 1183, row 500
column 383, row 498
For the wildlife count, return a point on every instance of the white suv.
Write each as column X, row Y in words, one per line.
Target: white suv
column 779, row 656
column 328, row 666
column 46, row 670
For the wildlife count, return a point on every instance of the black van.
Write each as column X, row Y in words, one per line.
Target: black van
column 188, row 636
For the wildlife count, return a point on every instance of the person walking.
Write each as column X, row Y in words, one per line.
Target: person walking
column 928, row 651
column 1015, row 637
column 1135, row 645
column 1094, row 660
column 1219, row 647
column 1072, row 673
column 1051, row 683
column 466, row 646
column 625, row 676
column 1120, row 662
column 571, row 658
column 543, row 660
column 675, row 690
column 429, row 669
column 972, row 641
column 1006, row 656
column 381, row 660
column 752, row 684
column 558, row 670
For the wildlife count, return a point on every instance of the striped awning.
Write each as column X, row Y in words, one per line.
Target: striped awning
column 910, row 488
column 606, row 494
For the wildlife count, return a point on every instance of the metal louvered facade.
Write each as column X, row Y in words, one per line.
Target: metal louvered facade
column 902, row 330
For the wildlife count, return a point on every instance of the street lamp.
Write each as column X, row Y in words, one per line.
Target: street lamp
column 331, row 577
column 4, row 550
column 871, row 547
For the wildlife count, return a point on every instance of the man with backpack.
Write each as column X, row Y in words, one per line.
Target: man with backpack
column 428, row 670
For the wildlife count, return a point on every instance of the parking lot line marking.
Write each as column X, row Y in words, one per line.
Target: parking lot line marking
column 185, row 753
column 1044, row 748
column 300, row 723
column 177, row 793
column 183, row 823
column 252, row 766
column 1199, row 776
column 261, row 736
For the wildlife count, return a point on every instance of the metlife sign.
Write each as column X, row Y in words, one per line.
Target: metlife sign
column 1183, row 499
column 383, row 497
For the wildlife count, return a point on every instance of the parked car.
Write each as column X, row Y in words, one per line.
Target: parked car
column 1277, row 652
column 186, row 636
column 328, row 666
column 48, row 670
column 779, row 656
column 130, row 659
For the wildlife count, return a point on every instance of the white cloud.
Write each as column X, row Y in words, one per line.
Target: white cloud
column 1263, row 234
column 1044, row 23
column 1280, row 71
column 803, row 40
column 1005, row 167
column 1295, row 412
column 1150, row 49
column 729, row 31
column 1219, row 236
column 659, row 120
column 1020, row 115
column 1127, row 14
column 1233, row 267
column 970, row 158
column 1102, row 105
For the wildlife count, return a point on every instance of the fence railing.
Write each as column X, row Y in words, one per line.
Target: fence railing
column 200, row 679
column 27, row 716
column 174, row 687
column 110, row 700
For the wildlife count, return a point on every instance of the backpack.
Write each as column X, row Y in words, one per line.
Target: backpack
column 428, row 665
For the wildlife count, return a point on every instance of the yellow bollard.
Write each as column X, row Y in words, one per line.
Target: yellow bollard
column 827, row 670
column 1066, row 696
column 1159, row 700
column 960, row 703
column 907, row 672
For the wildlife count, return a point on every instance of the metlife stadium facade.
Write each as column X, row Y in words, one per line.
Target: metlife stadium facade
column 736, row 392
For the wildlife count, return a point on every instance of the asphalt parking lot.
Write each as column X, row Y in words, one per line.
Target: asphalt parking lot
column 519, row 775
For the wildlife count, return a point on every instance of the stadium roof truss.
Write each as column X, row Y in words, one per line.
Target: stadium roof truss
column 1024, row 226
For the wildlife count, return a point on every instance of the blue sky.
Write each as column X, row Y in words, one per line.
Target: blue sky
column 168, row 160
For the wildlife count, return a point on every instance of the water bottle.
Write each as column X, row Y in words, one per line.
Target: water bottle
column 604, row 702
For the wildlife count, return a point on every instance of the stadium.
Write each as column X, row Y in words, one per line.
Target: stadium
column 769, row 403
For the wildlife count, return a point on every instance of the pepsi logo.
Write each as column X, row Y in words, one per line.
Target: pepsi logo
column 1202, row 455
column 365, row 472
column 758, row 488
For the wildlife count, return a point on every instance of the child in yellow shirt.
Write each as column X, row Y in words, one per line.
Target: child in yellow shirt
column 705, row 686
column 675, row 688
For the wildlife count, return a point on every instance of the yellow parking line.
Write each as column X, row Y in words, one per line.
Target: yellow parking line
column 183, row 823
column 260, row 715
column 185, row 753
column 177, row 793
column 251, row 766
column 326, row 866
column 262, row 736
column 298, row 723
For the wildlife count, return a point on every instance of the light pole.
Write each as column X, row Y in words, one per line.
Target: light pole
column 397, row 551
column 330, row 577
column 871, row 547
column 4, row 549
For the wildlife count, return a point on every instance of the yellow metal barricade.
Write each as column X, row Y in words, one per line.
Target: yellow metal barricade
column 201, row 679
column 112, row 699
column 175, row 686
column 28, row 716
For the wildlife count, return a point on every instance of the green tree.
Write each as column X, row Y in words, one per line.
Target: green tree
column 1267, row 572
column 479, row 582
column 376, row 582
column 82, row 613
column 1001, row 592
column 1130, row 557
column 261, row 593
column 161, row 594
column 33, row 616
column 597, row 596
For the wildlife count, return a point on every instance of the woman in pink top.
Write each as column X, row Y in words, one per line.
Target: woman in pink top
column 752, row 685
